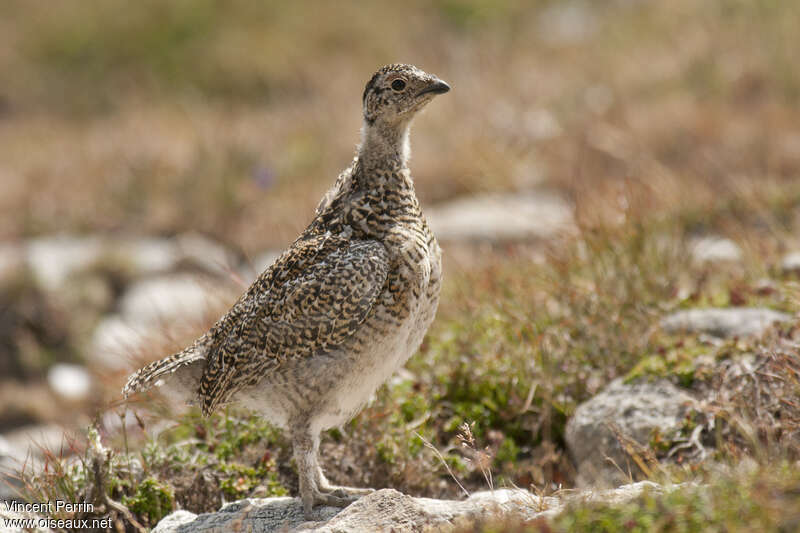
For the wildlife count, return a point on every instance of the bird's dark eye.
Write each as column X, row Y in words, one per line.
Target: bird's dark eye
column 398, row 85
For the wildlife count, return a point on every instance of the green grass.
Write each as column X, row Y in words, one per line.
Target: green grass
column 232, row 455
column 728, row 503
column 152, row 501
column 518, row 345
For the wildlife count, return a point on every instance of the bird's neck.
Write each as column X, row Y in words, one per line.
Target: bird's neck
column 379, row 174
column 384, row 146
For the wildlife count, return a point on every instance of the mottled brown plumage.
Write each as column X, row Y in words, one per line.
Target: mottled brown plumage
column 346, row 305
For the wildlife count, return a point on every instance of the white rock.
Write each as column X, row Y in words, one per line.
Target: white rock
column 622, row 494
column 790, row 264
column 54, row 259
column 173, row 303
column 147, row 256
column 205, row 253
column 384, row 510
column 715, row 250
column 113, row 341
column 390, row 510
column 495, row 217
column 174, row 521
column 72, row 382
column 163, row 299
column 724, row 322
column 636, row 409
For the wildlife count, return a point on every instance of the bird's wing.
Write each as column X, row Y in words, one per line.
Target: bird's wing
column 312, row 299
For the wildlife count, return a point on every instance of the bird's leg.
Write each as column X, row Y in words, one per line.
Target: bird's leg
column 344, row 492
column 352, row 493
column 305, row 449
column 349, row 493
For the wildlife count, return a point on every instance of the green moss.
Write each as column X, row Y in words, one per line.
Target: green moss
column 231, row 445
column 239, row 480
column 386, row 451
column 677, row 359
column 457, row 464
column 482, row 380
column 507, row 452
column 650, row 366
column 152, row 500
column 412, row 406
column 233, row 435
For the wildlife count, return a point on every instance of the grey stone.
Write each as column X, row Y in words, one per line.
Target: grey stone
column 637, row 410
column 175, row 522
column 390, row 510
column 496, row 217
column 713, row 249
column 383, row 510
column 256, row 515
column 724, row 322
column 621, row 494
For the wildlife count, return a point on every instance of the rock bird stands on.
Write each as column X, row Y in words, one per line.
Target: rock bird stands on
column 345, row 306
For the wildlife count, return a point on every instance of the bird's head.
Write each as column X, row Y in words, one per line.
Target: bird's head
column 396, row 92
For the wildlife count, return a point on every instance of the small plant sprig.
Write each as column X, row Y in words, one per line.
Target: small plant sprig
column 482, row 459
column 428, row 444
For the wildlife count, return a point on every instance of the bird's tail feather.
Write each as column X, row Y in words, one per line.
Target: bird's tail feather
column 148, row 376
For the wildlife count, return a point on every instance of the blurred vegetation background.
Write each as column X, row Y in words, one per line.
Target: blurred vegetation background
column 658, row 123
column 232, row 118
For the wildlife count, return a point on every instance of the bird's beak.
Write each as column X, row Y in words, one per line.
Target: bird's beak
column 436, row 86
